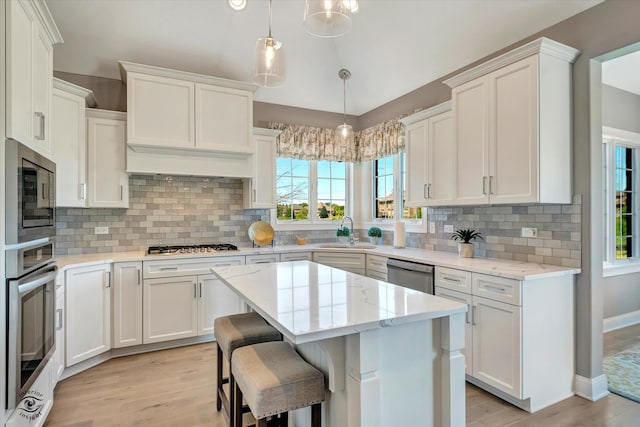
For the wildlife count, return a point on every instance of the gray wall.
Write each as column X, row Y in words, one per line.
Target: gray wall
column 621, row 110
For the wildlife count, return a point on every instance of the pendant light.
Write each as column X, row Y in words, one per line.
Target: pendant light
column 269, row 61
column 344, row 132
column 328, row 18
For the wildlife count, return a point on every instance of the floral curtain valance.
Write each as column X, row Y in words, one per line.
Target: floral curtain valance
column 314, row 143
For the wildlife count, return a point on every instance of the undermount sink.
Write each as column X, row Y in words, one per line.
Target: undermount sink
column 348, row 246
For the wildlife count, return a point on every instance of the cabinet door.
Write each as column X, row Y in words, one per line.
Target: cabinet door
column 215, row 299
column 513, row 132
column 58, row 357
column 417, row 174
column 440, row 160
column 160, row 111
column 470, row 143
column 262, row 258
column 108, row 181
column 262, row 187
column 69, row 148
column 42, row 86
column 170, row 309
column 468, row 330
column 127, row 304
column 20, row 30
column 224, row 119
column 88, row 317
column 497, row 345
column 296, row 256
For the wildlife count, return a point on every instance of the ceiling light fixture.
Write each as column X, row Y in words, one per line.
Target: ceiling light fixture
column 269, row 62
column 344, row 132
column 328, row 18
column 238, row 4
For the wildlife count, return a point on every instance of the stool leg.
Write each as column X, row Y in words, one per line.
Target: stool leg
column 219, row 362
column 232, row 395
column 237, row 405
column 262, row 422
column 316, row 415
column 284, row 419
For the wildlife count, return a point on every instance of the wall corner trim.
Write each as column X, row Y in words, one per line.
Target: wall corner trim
column 591, row 388
column 621, row 321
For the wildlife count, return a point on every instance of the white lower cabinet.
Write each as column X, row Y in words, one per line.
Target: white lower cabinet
column 348, row 261
column 376, row 267
column 262, row 258
column 58, row 356
column 88, row 312
column 127, row 304
column 215, row 300
column 296, row 256
column 518, row 334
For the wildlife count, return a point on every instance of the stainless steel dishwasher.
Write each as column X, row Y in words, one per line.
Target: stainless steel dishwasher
column 411, row 275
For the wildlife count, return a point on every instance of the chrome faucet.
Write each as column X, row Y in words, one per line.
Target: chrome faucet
column 351, row 239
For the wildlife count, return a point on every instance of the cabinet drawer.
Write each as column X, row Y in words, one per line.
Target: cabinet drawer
column 456, row 280
column 377, row 263
column 186, row 267
column 263, row 258
column 296, row 256
column 377, row 275
column 343, row 260
column 497, row 288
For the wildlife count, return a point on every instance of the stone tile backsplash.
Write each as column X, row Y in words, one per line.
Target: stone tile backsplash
column 162, row 211
column 195, row 210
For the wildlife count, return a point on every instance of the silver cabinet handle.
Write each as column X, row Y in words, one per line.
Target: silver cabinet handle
column 200, row 289
column 495, row 288
column 168, row 268
column 40, row 117
column 490, row 186
column 449, row 279
column 59, row 315
column 468, row 312
column 121, row 192
column 473, row 315
column 428, row 191
column 254, row 196
column 108, row 279
column 83, row 191
column 424, row 191
column 43, row 191
column 195, row 290
column 484, row 185
column 139, row 276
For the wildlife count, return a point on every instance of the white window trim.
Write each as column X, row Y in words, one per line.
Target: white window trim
column 305, row 225
column 611, row 137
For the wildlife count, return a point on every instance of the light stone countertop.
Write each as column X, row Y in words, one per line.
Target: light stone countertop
column 517, row 270
column 310, row 302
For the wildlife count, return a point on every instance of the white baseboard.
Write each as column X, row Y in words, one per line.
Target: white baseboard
column 622, row 321
column 591, row 388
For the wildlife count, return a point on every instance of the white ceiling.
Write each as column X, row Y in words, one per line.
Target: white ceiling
column 394, row 47
column 623, row 72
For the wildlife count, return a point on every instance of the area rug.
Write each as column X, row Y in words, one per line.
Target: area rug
column 623, row 372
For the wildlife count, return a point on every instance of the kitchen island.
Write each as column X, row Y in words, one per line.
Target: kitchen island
column 391, row 356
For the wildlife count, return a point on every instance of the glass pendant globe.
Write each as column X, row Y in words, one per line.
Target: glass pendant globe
column 344, row 134
column 327, row 18
column 269, row 69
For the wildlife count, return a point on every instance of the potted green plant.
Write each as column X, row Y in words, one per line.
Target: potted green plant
column 464, row 236
column 343, row 234
column 374, row 234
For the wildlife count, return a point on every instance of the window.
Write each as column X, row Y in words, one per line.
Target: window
column 310, row 191
column 387, row 173
column 621, row 158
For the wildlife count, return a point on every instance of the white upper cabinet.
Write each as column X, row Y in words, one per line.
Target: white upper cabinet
column 259, row 192
column 429, row 154
column 69, row 143
column 512, row 127
column 224, row 119
column 186, row 111
column 31, row 34
column 106, row 159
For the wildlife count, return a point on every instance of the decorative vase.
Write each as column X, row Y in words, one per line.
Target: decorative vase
column 465, row 250
column 373, row 240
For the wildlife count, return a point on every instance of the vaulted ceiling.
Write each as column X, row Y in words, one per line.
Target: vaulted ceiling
column 394, row 47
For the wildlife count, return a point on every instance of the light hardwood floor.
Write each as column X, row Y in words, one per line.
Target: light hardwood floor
column 177, row 388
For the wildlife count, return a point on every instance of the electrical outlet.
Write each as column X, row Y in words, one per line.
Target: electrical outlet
column 529, row 232
column 102, row 230
column 448, row 228
column 432, row 227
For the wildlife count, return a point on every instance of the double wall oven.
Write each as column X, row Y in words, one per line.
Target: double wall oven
column 30, row 267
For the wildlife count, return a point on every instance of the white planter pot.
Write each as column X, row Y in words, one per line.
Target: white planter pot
column 465, row 250
column 373, row 240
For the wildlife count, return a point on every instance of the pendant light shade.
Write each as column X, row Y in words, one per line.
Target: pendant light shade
column 269, row 68
column 327, row 18
column 344, row 132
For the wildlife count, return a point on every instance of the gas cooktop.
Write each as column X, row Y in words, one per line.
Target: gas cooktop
column 191, row 249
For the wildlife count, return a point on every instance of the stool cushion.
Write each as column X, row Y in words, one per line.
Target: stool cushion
column 238, row 330
column 275, row 379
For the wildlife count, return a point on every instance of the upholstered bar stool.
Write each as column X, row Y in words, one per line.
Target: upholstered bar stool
column 232, row 332
column 274, row 379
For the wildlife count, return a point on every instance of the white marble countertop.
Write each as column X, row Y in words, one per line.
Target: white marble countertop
column 310, row 302
column 517, row 270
